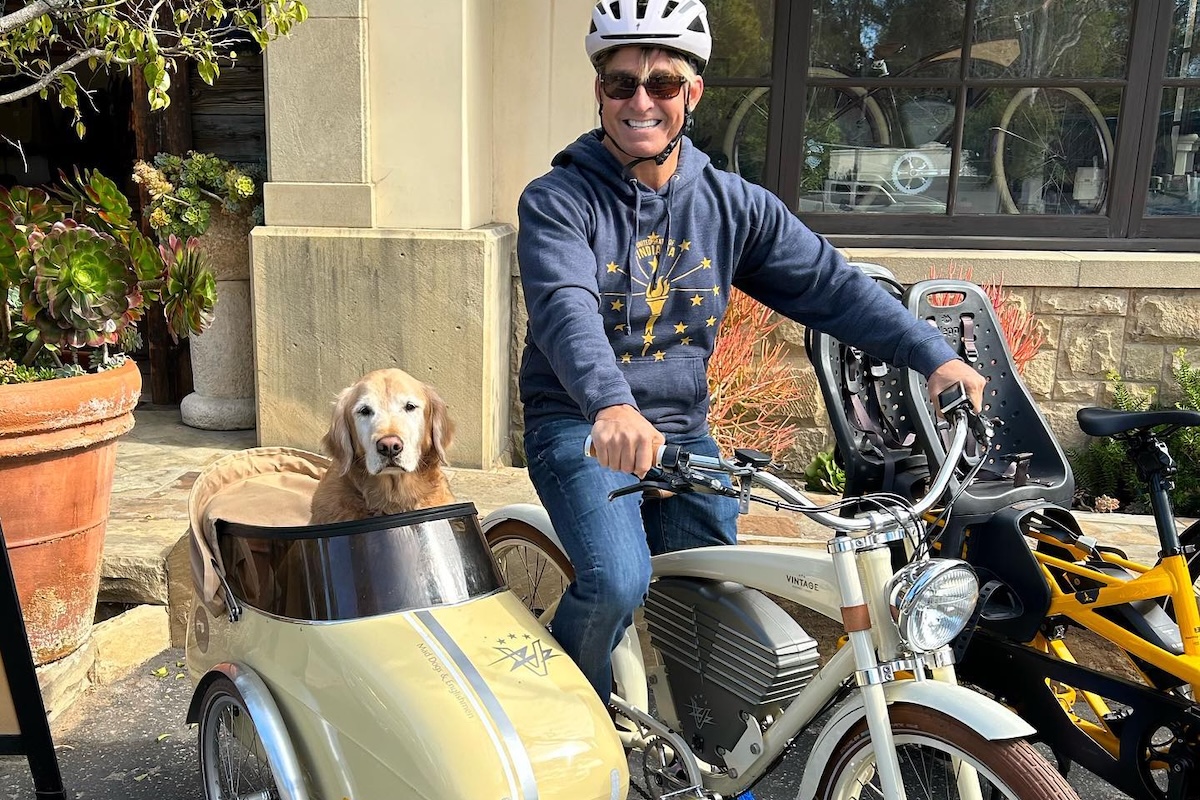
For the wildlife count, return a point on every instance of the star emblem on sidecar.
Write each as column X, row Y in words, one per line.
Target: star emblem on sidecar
column 532, row 657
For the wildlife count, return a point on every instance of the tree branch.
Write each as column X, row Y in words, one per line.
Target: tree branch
column 29, row 13
column 49, row 77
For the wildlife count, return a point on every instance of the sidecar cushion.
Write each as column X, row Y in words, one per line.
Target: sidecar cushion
column 260, row 486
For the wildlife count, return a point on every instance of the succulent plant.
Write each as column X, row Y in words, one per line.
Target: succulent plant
column 190, row 293
column 76, row 274
column 81, row 288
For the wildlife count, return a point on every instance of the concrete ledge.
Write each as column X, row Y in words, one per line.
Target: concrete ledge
column 115, row 648
column 1100, row 269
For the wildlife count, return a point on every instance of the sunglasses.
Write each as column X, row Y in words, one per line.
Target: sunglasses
column 622, row 86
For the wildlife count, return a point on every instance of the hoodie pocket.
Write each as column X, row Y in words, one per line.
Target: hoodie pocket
column 671, row 393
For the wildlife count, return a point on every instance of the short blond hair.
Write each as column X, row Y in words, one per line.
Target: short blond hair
column 682, row 65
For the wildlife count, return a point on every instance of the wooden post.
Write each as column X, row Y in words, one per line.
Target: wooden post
column 166, row 131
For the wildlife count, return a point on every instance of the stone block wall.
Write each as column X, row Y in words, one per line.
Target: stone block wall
column 1135, row 332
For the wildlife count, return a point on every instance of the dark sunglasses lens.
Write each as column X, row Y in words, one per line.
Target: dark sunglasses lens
column 663, row 87
column 619, row 87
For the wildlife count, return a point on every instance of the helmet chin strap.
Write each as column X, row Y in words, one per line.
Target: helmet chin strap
column 662, row 157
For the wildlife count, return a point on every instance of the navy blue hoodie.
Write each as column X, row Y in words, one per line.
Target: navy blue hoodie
column 626, row 286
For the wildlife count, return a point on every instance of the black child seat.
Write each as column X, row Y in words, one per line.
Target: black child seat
column 876, row 442
column 1025, row 461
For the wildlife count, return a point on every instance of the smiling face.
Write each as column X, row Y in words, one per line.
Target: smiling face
column 642, row 125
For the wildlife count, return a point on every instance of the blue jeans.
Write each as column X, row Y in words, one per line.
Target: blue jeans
column 610, row 542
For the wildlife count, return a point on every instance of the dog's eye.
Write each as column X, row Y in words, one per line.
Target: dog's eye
column 410, row 406
column 366, row 411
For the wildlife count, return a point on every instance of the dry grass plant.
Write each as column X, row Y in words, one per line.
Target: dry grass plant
column 1024, row 334
column 755, row 392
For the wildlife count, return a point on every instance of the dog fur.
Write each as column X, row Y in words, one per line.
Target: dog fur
column 387, row 438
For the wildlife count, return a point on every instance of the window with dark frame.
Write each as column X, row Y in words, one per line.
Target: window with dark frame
column 987, row 122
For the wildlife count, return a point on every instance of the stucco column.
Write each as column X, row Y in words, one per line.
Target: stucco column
column 318, row 120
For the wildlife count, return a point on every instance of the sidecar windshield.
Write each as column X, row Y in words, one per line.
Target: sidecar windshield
column 349, row 570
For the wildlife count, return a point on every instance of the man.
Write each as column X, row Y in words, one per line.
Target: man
column 628, row 249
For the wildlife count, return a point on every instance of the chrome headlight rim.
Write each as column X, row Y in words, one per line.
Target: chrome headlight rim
column 908, row 595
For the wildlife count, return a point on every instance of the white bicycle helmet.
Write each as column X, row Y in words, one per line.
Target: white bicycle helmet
column 680, row 25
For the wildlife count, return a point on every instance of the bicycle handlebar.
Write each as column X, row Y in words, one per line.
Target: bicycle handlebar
column 680, row 470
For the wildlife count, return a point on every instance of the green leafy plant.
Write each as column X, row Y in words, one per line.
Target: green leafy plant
column 824, row 475
column 1102, row 468
column 183, row 190
column 76, row 274
column 43, row 42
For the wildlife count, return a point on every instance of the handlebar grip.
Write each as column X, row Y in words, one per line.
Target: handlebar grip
column 667, row 456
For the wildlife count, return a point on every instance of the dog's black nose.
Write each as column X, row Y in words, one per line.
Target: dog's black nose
column 389, row 446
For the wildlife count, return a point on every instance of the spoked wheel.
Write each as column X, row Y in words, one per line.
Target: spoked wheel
column 532, row 566
column 941, row 757
column 1044, row 136
column 233, row 760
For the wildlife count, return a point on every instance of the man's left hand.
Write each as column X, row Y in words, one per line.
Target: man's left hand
column 957, row 371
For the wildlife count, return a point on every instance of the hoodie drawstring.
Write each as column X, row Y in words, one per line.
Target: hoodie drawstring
column 633, row 257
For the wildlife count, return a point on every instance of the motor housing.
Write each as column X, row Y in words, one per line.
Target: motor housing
column 727, row 650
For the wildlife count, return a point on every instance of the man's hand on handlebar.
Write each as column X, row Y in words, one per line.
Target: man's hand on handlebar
column 957, row 371
column 624, row 441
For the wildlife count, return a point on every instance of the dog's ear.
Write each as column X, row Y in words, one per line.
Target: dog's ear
column 441, row 428
column 337, row 441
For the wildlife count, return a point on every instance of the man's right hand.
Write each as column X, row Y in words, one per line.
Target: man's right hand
column 623, row 440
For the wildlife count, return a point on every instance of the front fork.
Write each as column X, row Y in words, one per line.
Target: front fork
column 869, row 626
column 856, row 617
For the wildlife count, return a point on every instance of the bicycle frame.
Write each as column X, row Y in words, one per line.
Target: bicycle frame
column 816, row 581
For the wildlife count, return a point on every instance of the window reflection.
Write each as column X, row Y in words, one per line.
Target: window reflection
column 1183, row 54
column 882, row 38
column 1175, row 177
column 1040, row 151
column 883, row 150
column 742, row 35
column 731, row 127
column 1051, row 38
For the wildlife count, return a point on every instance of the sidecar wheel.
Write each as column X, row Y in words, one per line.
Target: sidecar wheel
column 233, row 760
column 932, row 750
column 534, row 569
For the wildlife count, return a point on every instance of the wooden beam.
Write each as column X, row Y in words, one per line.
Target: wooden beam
column 166, row 131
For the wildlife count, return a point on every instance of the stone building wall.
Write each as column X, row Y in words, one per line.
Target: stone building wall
column 1089, row 332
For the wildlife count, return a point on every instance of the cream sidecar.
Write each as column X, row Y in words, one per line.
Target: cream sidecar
column 381, row 658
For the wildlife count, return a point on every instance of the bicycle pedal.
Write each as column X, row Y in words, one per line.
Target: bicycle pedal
column 1116, row 719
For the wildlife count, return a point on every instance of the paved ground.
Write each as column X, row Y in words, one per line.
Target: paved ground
column 128, row 741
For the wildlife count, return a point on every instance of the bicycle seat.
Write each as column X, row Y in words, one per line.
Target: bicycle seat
column 1110, row 422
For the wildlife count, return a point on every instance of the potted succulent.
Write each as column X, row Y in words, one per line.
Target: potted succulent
column 75, row 275
column 199, row 194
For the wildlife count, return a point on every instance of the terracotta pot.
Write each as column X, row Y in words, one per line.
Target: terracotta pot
column 57, row 452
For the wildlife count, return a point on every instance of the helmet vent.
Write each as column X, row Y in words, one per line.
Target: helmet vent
column 593, row 30
column 669, row 7
column 697, row 26
column 615, row 8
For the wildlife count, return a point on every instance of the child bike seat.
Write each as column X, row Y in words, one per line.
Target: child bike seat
column 1024, row 461
column 876, row 443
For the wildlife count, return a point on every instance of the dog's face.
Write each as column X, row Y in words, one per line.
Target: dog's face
column 390, row 420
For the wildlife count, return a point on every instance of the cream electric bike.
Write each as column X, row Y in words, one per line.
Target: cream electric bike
column 738, row 679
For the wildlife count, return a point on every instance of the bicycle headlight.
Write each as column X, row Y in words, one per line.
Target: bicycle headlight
column 932, row 601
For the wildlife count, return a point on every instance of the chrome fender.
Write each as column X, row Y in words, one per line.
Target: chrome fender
column 531, row 514
column 629, row 669
column 986, row 717
column 267, row 721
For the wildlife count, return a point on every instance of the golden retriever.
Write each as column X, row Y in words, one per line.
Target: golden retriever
column 388, row 439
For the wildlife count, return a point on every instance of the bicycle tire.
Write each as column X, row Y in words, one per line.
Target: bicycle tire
column 510, row 536
column 1029, row 95
column 1013, row 768
column 735, row 128
column 225, row 723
